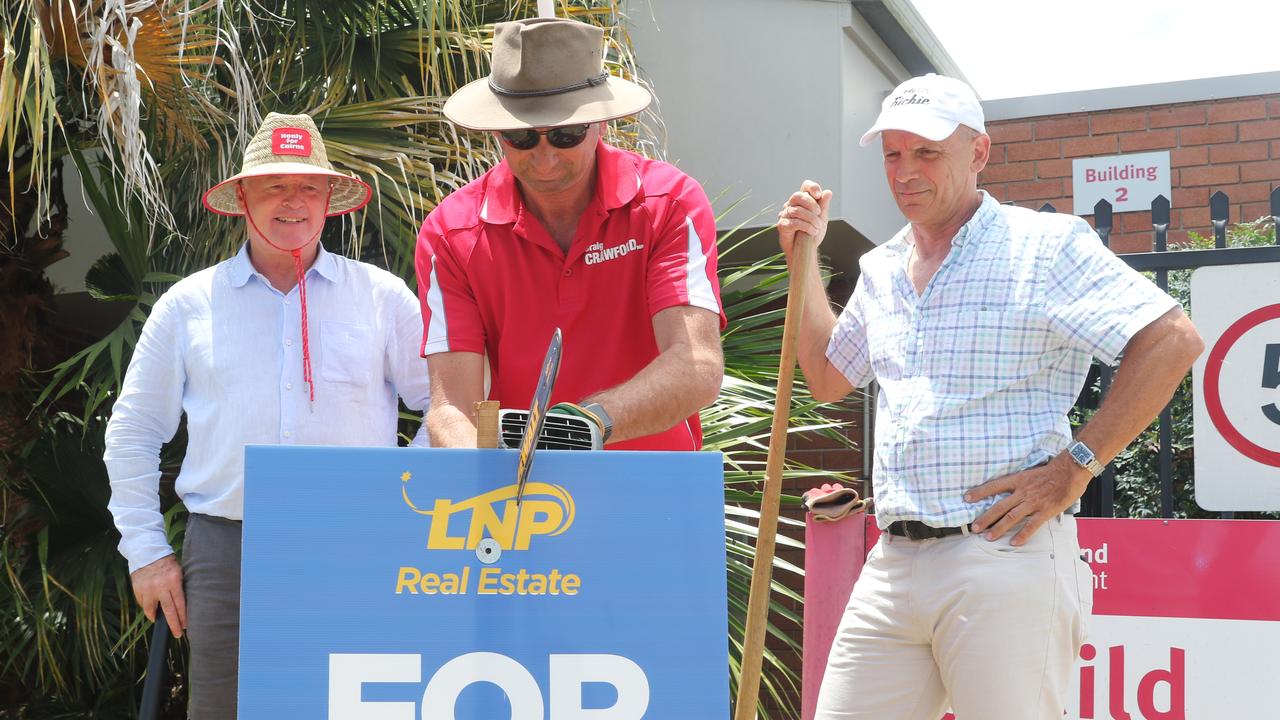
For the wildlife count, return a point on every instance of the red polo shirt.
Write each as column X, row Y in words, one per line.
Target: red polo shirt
column 492, row 280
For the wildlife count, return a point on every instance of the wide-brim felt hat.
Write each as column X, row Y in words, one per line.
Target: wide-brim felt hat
column 289, row 145
column 545, row 72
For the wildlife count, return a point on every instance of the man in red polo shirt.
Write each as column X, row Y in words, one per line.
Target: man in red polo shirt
column 567, row 231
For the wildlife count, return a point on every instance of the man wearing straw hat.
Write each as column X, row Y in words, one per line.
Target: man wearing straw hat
column 283, row 344
column 978, row 322
column 567, row 231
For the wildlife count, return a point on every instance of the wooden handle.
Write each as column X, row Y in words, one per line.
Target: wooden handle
column 487, row 424
column 802, row 257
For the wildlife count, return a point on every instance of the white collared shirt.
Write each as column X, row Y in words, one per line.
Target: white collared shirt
column 978, row 372
column 225, row 347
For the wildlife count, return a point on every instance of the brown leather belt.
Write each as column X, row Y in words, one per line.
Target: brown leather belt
column 916, row 530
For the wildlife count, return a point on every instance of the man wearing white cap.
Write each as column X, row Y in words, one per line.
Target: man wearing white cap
column 569, row 232
column 978, row 322
column 283, row 344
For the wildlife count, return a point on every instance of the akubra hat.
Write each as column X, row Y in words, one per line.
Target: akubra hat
column 545, row 72
column 289, row 145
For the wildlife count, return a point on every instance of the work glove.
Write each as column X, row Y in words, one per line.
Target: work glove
column 576, row 410
column 832, row 502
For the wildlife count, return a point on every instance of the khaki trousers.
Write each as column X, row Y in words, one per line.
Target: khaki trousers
column 983, row 627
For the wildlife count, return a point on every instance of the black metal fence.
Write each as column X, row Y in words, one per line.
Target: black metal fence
column 1099, row 501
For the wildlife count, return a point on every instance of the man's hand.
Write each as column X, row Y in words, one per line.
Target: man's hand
column 160, row 583
column 1037, row 495
column 806, row 212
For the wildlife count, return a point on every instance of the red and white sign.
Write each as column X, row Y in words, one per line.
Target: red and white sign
column 1186, row 620
column 1236, row 308
column 1186, row 617
column 1128, row 182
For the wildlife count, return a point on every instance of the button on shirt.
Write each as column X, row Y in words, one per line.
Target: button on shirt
column 225, row 347
column 978, row 372
column 493, row 281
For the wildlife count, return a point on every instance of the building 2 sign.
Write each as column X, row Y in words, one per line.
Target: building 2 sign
column 1128, row 182
column 1236, row 308
column 408, row 584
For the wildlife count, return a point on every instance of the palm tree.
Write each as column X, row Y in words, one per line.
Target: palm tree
column 152, row 101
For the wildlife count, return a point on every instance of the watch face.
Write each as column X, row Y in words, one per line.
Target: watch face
column 1081, row 453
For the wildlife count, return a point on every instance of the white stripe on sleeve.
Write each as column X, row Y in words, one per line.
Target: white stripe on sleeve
column 438, row 326
column 701, row 293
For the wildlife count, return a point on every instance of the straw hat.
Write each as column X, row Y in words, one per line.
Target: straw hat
column 545, row 72
column 288, row 145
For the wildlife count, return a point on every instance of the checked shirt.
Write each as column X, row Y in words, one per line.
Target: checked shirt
column 976, row 374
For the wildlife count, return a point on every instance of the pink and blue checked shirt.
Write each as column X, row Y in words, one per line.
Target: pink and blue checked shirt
column 977, row 374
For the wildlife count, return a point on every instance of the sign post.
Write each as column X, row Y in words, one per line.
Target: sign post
column 401, row 583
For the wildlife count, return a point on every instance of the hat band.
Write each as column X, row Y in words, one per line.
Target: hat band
column 589, row 82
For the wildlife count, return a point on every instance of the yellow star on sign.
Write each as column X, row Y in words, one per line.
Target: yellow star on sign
column 404, row 476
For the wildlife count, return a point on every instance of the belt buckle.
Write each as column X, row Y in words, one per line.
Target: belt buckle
column 915, row 530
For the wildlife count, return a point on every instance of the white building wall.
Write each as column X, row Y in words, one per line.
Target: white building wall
column 758, row 95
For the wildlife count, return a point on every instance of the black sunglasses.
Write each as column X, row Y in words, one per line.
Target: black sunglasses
column 563, row 137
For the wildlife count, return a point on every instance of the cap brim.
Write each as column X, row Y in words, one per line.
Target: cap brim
column 476, row 107
column 930, row 128
column 349, row 193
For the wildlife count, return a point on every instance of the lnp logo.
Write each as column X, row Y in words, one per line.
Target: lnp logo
column 545, row 510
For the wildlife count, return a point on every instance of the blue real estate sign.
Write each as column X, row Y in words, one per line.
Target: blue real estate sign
column 400, row 584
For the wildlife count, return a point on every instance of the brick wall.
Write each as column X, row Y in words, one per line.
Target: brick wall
column 1231, row 145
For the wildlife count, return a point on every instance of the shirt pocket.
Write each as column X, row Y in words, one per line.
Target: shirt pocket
column 988, row 348
column 348, row 352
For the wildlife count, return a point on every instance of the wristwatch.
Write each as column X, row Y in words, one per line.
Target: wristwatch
column 1084, row 457
column 606, row 422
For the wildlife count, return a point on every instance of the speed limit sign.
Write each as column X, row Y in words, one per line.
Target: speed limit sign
column 1236, row 308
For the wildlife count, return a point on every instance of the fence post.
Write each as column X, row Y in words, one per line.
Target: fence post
column 1275, row 213
column 1219, row 210
column 1103, row 222
column 1160, row 223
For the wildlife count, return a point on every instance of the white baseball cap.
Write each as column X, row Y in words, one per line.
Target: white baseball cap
column 931, row 106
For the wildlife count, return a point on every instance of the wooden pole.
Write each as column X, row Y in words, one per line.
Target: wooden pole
column 762, row 570
column 487, row 424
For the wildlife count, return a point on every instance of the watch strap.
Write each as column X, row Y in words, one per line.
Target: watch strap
column 606, row 422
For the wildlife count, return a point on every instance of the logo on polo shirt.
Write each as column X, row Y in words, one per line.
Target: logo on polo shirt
column 291, row 141
column 598, row 253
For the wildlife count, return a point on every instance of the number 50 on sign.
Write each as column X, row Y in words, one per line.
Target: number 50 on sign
column 1236, row 308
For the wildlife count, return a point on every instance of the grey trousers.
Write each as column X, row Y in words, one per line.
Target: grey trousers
column 211, row 578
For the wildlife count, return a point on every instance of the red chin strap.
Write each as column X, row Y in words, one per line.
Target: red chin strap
column 302, row 288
